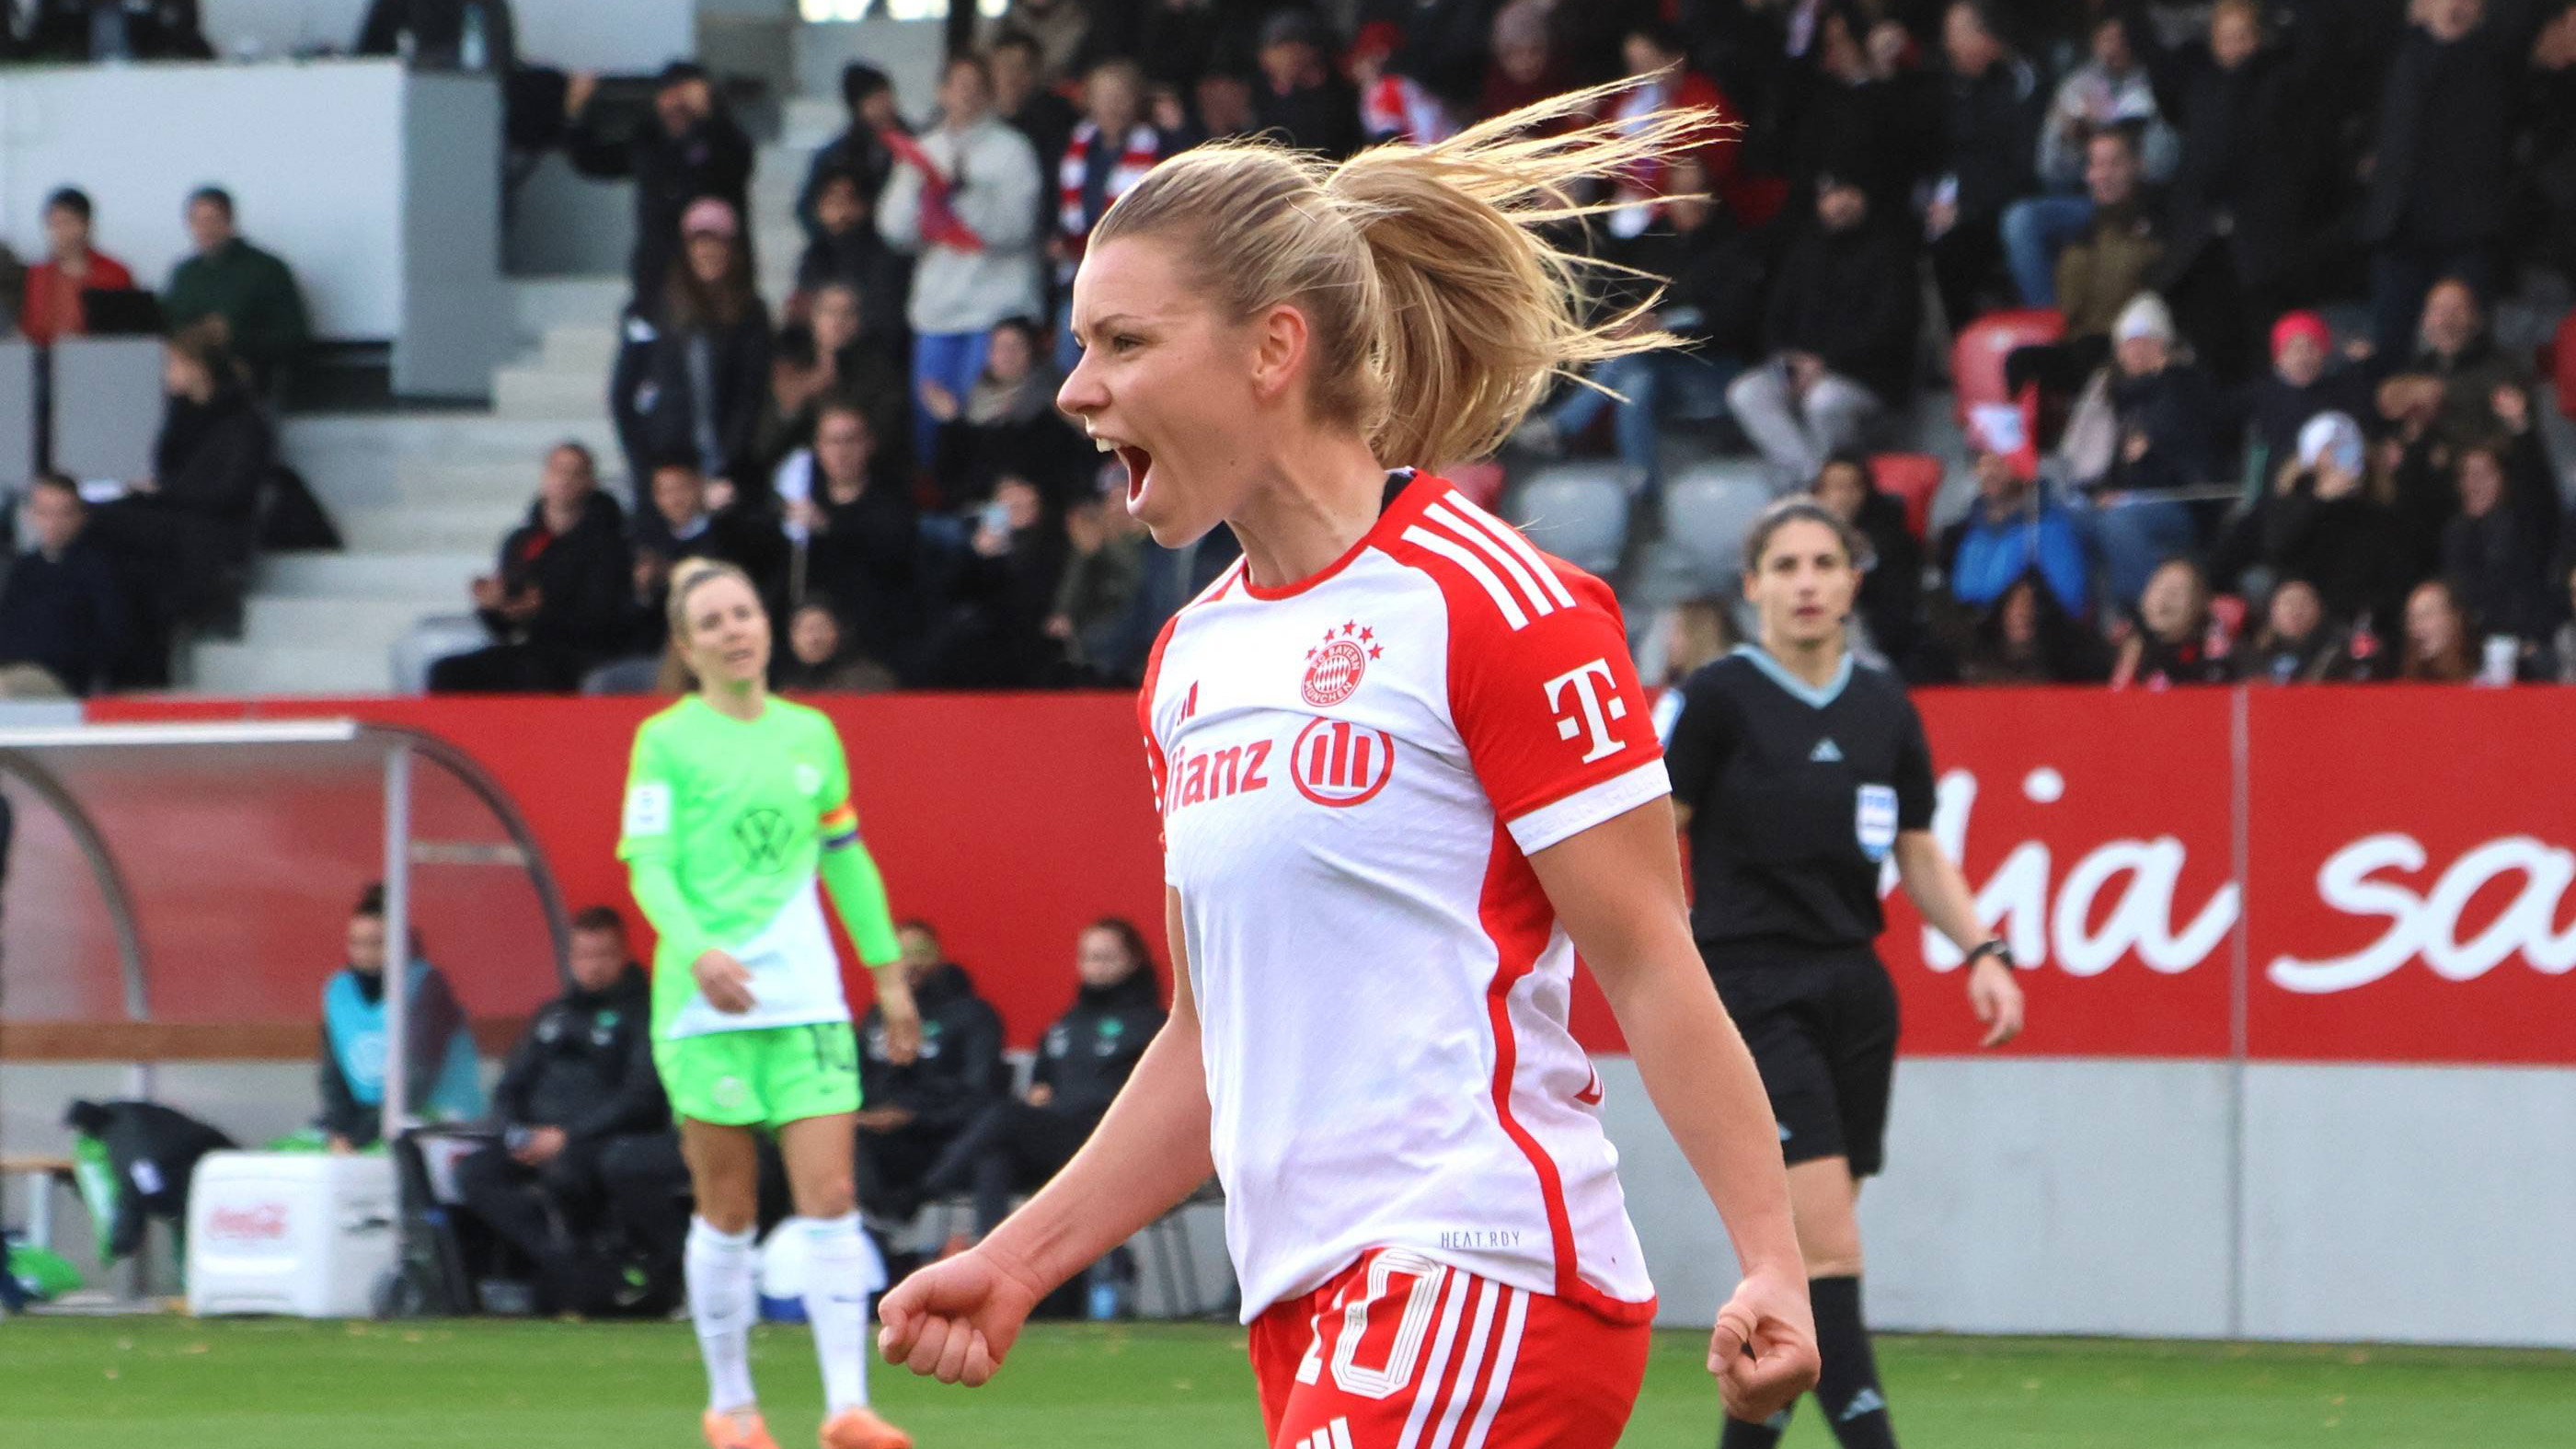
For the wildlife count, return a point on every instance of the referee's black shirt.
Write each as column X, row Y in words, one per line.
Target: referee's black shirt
column 1796, row 796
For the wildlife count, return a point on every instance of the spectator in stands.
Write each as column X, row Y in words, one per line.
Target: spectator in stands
column 831, row 356
column 914, row 1112
column 691, row 150
column 693, row 370
column 1301, row 98
column 439, row 1057
column 556, row 603
column 1656, row 60
column 1840, row 329
column 2144, row 432
column 859, row 152
column 63, row 613
column 1118, row 588
column 2013, row 530
column 2175, row 642
column 1026, row 99
column 1393, row 105
column 2299, row 643
column 579, row 1079
column 1109, row 151
column 965, row 201
column 992, row 636
column 1891, row 590
column 2545, row 150
column 2325, row 519
column 1016, row 1144
column 2299, row 386
column 2440, row 178
column 1179, row 41
column 468, row 35
column 1849, row 116
column 1990, row 129
column 1059, row 33
column 1521, row 63
column 2107, row 262
column 1712, row 296
column 52, row 307
column 1007, row 426
column 2437, row 636
column 2025, row 637
column 861, row 537
column 248, row 293
column 2111, row 91
column 818, row 659
column 2449, row 391
column 847, row 250
column 2496, row 561
column 116, row 30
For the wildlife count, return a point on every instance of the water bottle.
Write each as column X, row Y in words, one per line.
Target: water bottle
column 472, row 50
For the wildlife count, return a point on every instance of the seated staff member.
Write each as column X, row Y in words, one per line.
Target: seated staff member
column 1797, row 770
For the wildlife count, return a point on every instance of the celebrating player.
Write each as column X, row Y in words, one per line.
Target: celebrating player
column 1406, row 773
column 735, row 803
column 1798, row 770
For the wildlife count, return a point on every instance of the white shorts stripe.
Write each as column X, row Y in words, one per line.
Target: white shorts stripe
column 1439, row 1360
column 1511, row 538
column 1483, row 542
column 1504, row 1354
column 1465, row 558
column 1462, row 1379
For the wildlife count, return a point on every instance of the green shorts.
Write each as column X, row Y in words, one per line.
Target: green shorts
column 763, row 1078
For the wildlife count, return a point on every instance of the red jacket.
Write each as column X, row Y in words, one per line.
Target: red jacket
column 53, row 302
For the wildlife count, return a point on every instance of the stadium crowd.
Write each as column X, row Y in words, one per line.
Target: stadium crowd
column 2243, row 264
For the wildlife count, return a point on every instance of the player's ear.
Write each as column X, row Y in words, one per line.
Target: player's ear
column 1280, row 342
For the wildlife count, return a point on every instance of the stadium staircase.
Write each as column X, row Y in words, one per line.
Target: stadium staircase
column 422, row 497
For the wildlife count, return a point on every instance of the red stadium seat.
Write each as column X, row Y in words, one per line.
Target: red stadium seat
column 1914, row 478
column 1977, row 358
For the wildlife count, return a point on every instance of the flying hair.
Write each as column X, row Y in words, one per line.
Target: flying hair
column 1438, row 312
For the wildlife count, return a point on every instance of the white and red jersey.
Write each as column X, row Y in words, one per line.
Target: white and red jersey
column 1353, row 772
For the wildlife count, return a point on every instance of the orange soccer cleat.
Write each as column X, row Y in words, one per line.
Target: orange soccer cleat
column 740, row 1429
column 862, row 1429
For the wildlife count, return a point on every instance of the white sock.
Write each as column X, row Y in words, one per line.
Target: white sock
column 721, row 1304
column 837, row 1280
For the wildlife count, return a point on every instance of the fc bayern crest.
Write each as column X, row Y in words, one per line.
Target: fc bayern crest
column 1334, row 667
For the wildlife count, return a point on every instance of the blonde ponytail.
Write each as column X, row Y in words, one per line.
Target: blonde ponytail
column 1437, row 310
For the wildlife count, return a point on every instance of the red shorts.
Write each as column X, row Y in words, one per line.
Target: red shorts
column 1400, row 1352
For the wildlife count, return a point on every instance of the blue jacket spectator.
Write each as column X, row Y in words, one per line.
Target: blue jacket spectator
column 2014, row 529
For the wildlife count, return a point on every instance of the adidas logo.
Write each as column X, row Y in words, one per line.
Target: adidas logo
column 1867, row 1401
column 1826, row 752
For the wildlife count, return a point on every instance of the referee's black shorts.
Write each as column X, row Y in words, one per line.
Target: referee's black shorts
column 1822, row 1027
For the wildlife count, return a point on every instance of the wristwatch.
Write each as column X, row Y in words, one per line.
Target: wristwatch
column 1994, row 946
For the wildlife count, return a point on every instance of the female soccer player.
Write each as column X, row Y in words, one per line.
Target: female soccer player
column 1797, row 771
column 1406, row 773
column 735, row 804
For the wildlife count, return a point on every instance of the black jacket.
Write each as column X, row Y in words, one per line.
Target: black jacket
column 960, row 1070
column 577, row 1067
column 1091, row 1050
column 153, row 1150
column 858, row 151
column 2273, row 411
column 713, row 159
column 655, row 399
column 1891, row 593
column 860, row 258
column 967, row 459
column 2350, row 548
column 2177, row 409
column 1990, row 137
column 68, row 614
column 2261, row 165
column 1323, row 117
column 1851, row 299
column 1713, row 292
column 583, row 578
column 212, row 458
column 437, row 31
column 2440, row 174
column 867, row 559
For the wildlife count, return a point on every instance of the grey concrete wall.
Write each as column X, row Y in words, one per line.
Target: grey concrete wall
column 574, row 34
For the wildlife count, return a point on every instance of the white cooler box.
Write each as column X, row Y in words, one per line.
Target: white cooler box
column 298, row 1233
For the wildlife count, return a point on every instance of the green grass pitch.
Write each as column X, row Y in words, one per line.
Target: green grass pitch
column 176, row 1383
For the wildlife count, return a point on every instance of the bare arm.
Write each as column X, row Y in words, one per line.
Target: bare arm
column 956, row 1320
column 1618, row 889
column 1933, row 882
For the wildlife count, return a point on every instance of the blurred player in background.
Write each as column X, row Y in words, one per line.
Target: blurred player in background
column 736, row 803
column 1406, row 772
column 1799, row 771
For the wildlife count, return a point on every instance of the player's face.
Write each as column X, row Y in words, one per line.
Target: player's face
column 728, row 633
column 1165, row 382
column 1803, row 585
column 1102, row 958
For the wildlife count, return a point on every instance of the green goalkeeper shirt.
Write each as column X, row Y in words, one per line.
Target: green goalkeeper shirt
column 728, row 824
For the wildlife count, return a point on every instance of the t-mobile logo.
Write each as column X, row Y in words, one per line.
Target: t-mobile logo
column 1593, row 715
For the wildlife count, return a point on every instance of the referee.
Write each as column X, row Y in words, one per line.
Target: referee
column 1797, row 771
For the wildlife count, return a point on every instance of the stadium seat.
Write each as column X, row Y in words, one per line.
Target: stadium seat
column 1915, row 479
column 1577, row 511
column 1708, row 510
column 1977, row 358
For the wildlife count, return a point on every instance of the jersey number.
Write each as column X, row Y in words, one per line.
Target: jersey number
column 1413, row 1322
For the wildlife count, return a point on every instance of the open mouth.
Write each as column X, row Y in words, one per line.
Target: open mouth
column 1135, row 460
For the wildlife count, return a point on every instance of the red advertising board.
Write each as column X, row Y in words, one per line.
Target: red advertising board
column 2403, row 892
